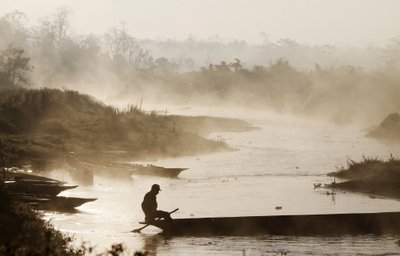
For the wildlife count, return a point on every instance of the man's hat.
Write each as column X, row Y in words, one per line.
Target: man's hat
column 156, row 187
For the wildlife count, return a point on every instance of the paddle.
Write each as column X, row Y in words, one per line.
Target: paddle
column 140, row 229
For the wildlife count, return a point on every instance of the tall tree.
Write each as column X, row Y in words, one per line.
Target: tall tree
column 124, row 50
column 13, row 30
column 392, row 54
column 14, row 66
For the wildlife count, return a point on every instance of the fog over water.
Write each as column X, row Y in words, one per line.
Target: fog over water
column 310, row 58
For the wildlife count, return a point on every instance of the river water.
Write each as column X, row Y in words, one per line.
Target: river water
column 275, row 165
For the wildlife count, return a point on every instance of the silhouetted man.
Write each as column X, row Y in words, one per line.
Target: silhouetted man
column 149, row 205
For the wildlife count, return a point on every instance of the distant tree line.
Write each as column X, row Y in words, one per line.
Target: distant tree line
column 116, row 59
column 61, row 57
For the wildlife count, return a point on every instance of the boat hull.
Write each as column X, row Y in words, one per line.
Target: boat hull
column 23, row 175
column 37, row 188
column 148, row 170
column 61, row 203
column 326, row 224
column 58, row 203
column 153, row 170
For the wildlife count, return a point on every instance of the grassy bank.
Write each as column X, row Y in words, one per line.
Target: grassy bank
column 38, row 126
column 23, row 232
column 372, row 176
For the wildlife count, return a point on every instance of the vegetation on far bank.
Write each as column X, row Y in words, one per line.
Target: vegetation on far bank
column 372, row 176
column 120, row 66
column 46, row 123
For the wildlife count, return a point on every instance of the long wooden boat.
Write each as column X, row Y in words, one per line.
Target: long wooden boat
column 323, row 224
column 17, row 174
column 155, row 170
column 58, row 203
column 126, row 170
column 36, row 187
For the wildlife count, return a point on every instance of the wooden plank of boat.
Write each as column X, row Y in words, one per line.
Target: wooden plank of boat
column 323, row 224
column 63, row 203
column 59, row 203
column 38, row 188
column 150, row 169
column 155, row 170
column 16, row 174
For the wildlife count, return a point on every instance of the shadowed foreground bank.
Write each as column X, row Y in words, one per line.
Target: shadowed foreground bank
column 23, row 232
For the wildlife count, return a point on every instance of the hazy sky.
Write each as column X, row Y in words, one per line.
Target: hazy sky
column 344, row 22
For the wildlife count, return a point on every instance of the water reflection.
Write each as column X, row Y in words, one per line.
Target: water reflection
column 272, row 245
column 153, row 241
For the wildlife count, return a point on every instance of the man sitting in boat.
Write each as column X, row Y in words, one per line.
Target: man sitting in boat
column 149, row 206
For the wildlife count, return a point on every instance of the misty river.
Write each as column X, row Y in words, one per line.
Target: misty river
column 275, row 165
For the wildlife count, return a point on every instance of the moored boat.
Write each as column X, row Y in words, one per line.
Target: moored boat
column 14, row 173
column 36, row 187
column 125, row 170
column 155, row 170
column 58, row 203
column 323, row 224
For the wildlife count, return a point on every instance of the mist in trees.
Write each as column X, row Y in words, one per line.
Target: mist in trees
column 13, row 67
column 342, row 84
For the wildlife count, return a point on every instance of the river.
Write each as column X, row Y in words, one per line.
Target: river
column 275, row 165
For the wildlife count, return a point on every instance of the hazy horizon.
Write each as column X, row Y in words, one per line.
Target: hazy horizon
column 82, row 46
column 341, row 23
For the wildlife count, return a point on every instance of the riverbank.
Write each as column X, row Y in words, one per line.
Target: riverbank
column 38, row 127
column 372, row 176
column 23, row 232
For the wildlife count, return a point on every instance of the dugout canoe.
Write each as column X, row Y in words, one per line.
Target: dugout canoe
column 149, row 169
column 155, row 170
column 126, row 170
column 319, row 224
column 14, row 173
column 63, row 203
column 36, row 187
column 58, row 203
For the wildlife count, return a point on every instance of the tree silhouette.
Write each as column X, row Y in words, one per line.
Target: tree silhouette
column 13, row 66
column 124, row 50
column 237, row 65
